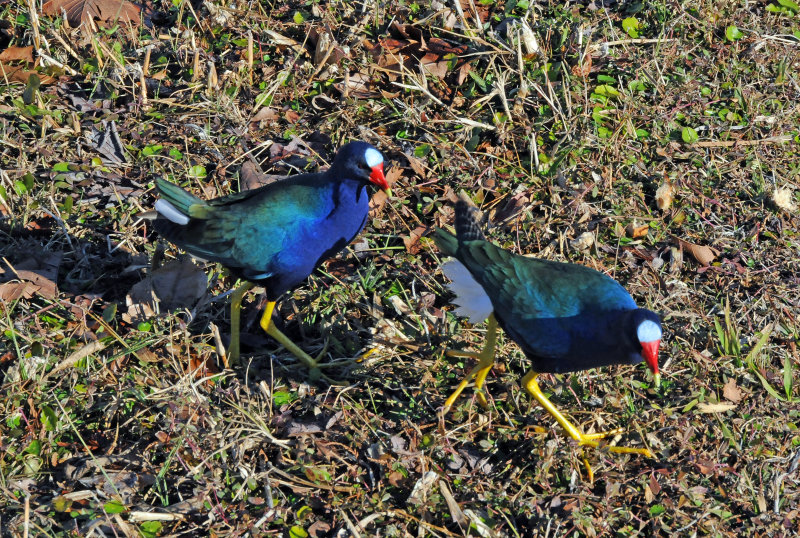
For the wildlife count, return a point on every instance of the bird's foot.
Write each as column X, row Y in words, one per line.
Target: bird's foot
column 591, row 441
column 479, row 373
column 313, row 364
column 611, row 448
column 485, row 362
column 583, row 439
column 602, row 435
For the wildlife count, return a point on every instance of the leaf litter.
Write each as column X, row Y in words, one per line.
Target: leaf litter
column 460, row 99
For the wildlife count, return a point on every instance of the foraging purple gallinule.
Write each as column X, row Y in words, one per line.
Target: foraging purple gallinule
column 276, row 235
column 564, row 316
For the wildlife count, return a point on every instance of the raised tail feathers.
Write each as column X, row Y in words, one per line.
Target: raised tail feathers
column 467, row 227
column 177, row 205
column 446, row 242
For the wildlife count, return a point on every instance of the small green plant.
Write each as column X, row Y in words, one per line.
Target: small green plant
column 631, row 26
column 786, row 7
column 728, row 336
column 788, row 368
column 732, row 33
column 689, row 135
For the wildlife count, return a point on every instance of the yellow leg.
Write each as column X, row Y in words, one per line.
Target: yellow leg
column 312, row 363
column 480, row 371
column 236, row 308
column 532, row 388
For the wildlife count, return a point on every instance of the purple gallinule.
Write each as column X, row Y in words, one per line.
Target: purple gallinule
column 564, row 316
column 276, row 235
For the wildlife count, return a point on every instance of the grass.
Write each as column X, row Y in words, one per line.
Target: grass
column 569, row 120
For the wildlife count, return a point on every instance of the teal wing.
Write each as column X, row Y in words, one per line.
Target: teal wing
column 250, row 230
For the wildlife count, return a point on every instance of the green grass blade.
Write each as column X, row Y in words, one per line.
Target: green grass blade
column 787, row 377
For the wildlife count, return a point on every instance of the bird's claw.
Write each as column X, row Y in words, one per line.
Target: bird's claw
column 600, row 435
column 479, row 373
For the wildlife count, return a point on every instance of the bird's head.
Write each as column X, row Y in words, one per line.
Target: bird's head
column 360, row 160
column 648, row 333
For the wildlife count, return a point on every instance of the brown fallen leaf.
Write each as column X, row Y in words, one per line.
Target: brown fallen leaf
column 703, row 254
column 513, row 207
column 416, row 165
column 11, row 291
column 714, row 407
column 176, row 284
column 411, row 241
column 664, row 196
column 266, row 114
column 18, row 73
column 732, row 392
column 11, row 54
column 80, row 11
column 251, row 177
column 432, row 65
column 38, row 273
column 291, row 116
column 635, row 231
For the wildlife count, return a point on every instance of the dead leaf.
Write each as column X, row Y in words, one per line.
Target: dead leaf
column 513, row 207
column 176, row 284
column 12, row 54
column 703, row 254
column 38, row 274
column 356, row 85
column 648, row 495
column 416, row 165
column 291, row 116
column 732, row 392
column 18, row 73
column 266, row 114
column 327, row 50
column 422, row 487
column 655, row 487
column 635, row 231
column 432, row 65
column 282, row 40
column 80, row 11
column 583, row 69
column 319, row 528
column 203, row 367
column 714, row 407
column 412, row 240
column 137, row 311
column 583, row 241
column 11, row 291
column 108, row 143
column 251, row 177
column 664, row 196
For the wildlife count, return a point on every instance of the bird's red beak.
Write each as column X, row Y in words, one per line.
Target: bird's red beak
column 650, row 353
column 377, row 177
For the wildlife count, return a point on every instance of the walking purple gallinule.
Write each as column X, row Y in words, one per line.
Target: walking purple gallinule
column 276, row 235
column 564, row 316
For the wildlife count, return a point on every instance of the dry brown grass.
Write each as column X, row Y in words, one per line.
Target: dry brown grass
column 120, row 423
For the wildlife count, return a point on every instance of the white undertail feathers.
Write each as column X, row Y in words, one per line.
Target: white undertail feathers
column 471, row 300
column 170, row 212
